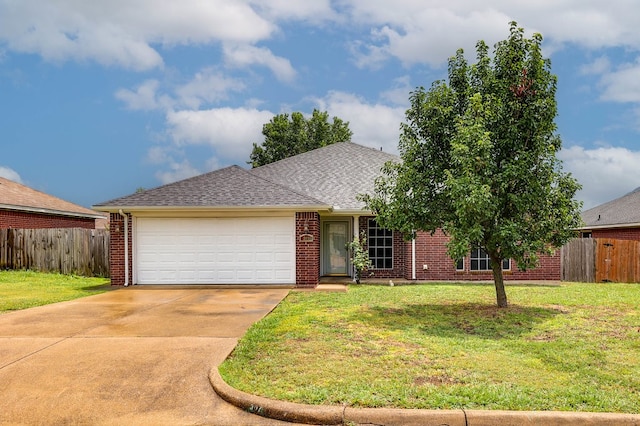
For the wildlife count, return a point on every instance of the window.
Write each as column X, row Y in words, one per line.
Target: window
column 460, row 265
column 586, row 234
column 480, row 261
column 380, row 246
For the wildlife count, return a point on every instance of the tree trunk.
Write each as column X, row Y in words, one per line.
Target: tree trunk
column 498, row 281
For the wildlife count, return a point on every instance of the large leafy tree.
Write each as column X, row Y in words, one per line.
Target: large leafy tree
column 479, row 160
column 286, row 136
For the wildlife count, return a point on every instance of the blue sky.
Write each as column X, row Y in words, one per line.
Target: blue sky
column 101, row 98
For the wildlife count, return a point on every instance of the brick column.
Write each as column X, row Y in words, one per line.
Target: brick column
column 116, row 249
column 307, row 249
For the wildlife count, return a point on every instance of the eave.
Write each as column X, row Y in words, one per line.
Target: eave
column 28, row 209
column 210, row 209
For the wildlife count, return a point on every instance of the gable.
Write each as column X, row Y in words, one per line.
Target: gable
column 225, row 188
column 335, row 174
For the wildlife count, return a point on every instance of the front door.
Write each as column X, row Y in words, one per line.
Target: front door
column 335, row 257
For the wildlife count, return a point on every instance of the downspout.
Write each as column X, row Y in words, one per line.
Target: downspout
column 413, row 258
column 356, row 234
column 126, row 247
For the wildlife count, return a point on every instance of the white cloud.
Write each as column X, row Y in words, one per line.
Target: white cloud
column 315, row 11
column 230, row 131
column 373, row 124
column 122, row 32
column 10, row 174
column 177, row 171
column 605, row 173
column 598, row 66
column 207, row 86
column 623, row 84
column 241, row 56
column 415, row 31
column 142, row 98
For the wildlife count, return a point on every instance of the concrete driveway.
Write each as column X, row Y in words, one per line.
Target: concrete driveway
column 129, row 356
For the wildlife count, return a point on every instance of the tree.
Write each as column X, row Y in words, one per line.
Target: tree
column 479, row 160
column 286, row 136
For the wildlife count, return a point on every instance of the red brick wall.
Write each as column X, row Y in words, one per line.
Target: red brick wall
column 27, row 220
column 618, row 234
column 307, row 249
column 400, row 248
column 116, row 250
column 432, row 251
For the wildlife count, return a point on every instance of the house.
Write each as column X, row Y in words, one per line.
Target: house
column 24, row 207
column 283, row 223
column 618, row 219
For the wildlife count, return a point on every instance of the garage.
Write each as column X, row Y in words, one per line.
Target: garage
column 245, row 250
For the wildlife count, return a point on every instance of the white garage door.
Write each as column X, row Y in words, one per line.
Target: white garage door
column 215, row 251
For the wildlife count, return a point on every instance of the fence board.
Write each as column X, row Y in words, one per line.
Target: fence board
column 64, row 250
column 618, row 261
column 578, row 260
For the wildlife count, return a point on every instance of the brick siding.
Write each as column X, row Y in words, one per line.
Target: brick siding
column 28, row 220
column 400, row 250
column 116, row 250
column 307, row 249
column 617, row 234
column 431, row 251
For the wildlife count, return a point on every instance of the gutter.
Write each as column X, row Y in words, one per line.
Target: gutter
column 126, row 247
column 611, row 226
column 40, row 210
column 176, row 209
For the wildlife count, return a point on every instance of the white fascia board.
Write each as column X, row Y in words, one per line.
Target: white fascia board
column 50, row 211
column 168, row 209
column 613, row 226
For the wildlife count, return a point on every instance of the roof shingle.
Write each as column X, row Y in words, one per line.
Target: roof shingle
column 228, row 187
column 15, row 196
column 335, row 174
column 621, row 211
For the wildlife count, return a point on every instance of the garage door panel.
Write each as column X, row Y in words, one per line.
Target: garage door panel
column 215, row 251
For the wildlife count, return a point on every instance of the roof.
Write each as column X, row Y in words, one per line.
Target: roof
column 616, row 213
column 335, row 174
column 15, row 196
column 325, row 178
column 225, row 188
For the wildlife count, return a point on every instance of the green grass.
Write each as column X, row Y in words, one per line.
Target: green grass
column 572, row 347
column 26, row 289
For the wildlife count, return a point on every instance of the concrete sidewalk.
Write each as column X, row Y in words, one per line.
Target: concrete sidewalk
column 129, row 356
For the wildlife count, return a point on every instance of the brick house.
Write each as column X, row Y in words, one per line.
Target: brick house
column 283, row 223
column 618, row 219
column 24, row 207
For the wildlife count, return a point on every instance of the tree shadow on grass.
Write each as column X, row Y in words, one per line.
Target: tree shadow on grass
column 458, row 320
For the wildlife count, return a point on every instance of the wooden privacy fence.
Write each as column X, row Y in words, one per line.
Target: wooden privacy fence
column 64, row 250
column 601, row 260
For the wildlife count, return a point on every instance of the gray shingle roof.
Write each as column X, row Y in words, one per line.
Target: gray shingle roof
column 229, row 187
column 334, row 174
column 621, row 211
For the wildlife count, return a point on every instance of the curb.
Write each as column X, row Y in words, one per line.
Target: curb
column 341, row 415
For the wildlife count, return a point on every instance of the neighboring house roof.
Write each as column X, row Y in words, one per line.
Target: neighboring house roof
column 621, row 212
column 335, row 174
column 18, row 197
column 231, row 187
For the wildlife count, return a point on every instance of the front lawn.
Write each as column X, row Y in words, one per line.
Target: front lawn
column 570, row 347
column 26, row 289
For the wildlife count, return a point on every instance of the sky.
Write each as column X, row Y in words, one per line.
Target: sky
column 100, row 98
